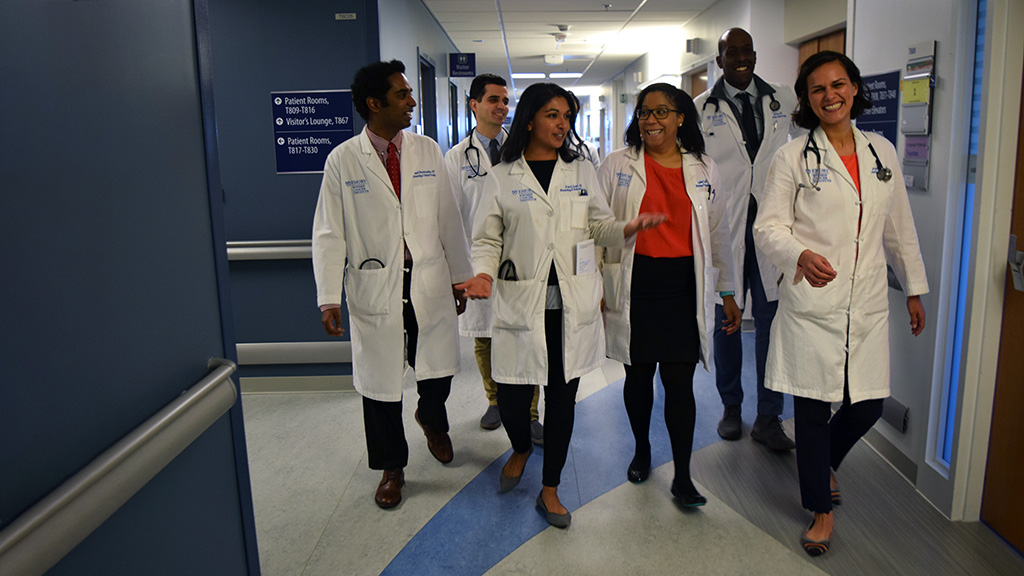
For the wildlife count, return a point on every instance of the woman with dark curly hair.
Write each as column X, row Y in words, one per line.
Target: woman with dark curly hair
column 660, row 288
column 834, row 211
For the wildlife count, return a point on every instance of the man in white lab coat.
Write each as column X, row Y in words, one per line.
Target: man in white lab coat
column 468, row 163
column 386, row 203
column 745, row 120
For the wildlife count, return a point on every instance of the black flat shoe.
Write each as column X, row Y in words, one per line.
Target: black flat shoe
column 688, row 499
column 637, row 474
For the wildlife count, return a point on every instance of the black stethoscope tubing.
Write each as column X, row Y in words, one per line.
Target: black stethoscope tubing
column 773, row 105
column 882, row 173
column 476, row 170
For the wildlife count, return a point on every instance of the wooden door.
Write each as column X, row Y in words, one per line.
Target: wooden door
column 1002, row 505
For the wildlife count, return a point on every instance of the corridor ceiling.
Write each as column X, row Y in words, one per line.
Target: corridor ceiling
column 595, row 38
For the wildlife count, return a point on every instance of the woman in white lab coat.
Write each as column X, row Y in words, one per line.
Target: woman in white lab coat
column 660, row 289
column 533, row 242
column 834, row 211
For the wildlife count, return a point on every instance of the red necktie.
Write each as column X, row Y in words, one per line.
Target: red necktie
column 393, row 171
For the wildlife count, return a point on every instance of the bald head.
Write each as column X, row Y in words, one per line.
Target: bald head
column 736, row 57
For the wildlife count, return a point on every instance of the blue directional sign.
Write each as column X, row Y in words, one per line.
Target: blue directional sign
column 462, row 65
column 307, row 126
column 882, row 117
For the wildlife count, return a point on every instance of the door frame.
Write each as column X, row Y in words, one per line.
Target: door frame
column 997, row 161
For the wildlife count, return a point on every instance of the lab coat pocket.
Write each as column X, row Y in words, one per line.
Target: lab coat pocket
column 612, row 276
column 516, row 302
column 367, row 292
column 586, row 301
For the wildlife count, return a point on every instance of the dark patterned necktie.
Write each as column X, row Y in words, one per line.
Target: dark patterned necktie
column 492, row 151
column 393, row 171
column 749, row 125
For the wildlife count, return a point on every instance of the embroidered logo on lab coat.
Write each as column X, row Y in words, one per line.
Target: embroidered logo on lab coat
column 578, row 188
column 357, row 186
column 524, row 194
column 424, row 174
column 717, row 120
column 705, row 185
column 819, row 175
column 624, row 179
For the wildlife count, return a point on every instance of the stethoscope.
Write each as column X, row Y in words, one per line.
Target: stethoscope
column 881, row 172
column 773, row 105
column 476, row 166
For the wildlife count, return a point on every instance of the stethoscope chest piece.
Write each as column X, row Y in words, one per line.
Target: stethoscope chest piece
column 884, row 174
column 774, row 105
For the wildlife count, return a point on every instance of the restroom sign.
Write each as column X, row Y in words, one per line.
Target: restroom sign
column 307, row 126
column 462, row 65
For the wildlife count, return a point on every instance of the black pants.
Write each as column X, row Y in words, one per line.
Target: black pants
column 559, row 406
column 680, row 412
column 386, row 446
column 823, row 443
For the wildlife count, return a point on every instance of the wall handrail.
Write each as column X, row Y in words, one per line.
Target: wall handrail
column 270, row 250
column 42, row 535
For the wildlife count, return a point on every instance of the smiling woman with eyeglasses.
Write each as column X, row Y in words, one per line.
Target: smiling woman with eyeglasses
column 660, row 289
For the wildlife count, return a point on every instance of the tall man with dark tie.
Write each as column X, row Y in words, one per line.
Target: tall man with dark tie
column 744, row 121
column 468, row 163
column 387, row 230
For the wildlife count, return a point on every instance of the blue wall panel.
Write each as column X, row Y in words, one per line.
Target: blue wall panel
column 108, row 299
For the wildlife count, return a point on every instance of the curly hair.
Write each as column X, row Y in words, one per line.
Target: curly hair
column 688, row 135
column 804, row 116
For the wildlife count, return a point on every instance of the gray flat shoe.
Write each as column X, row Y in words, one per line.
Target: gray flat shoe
column 556, row 520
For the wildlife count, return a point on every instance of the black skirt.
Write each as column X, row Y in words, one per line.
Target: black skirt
column 663, row 311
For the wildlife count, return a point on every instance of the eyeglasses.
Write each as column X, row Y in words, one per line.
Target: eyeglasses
column 659, row 113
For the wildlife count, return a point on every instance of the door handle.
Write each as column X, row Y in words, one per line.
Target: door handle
column 1016, row 261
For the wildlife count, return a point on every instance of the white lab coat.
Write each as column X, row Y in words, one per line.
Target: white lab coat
column 809, row 335
column 519, row 221
column 358, row 217
column 740, row 178
column 623, row 180
column 468, row 172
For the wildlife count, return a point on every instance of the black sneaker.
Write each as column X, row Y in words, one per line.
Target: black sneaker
column 730, row 427
column 768, row 431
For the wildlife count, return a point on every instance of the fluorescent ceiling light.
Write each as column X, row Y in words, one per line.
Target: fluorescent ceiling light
column 565, row 75
column 529, row 75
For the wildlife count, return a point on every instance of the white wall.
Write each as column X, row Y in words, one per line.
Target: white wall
column 918, row 364
column 406, row 25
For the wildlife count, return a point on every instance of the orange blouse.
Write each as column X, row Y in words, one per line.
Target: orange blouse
column 666, row 193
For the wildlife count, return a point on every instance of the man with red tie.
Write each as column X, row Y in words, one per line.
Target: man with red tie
column 387, row 231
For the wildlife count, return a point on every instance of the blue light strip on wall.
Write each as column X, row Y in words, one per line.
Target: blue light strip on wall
column 953, row 391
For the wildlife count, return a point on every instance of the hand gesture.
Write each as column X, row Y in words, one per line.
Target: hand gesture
column 477, row 287
column 331, row 319
column 816, row 269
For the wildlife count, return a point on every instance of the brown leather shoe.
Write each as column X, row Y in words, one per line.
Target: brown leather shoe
column 439, row 443
column 389, row 492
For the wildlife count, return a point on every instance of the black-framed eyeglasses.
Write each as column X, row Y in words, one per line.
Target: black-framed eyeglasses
column 659, row 113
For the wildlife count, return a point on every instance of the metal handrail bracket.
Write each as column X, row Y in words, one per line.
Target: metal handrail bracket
column 35, row 541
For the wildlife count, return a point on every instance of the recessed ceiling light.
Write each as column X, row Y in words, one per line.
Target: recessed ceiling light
column 529, row 75
column 565, row 75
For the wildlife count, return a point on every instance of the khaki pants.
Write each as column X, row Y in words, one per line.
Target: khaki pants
column 482, row 349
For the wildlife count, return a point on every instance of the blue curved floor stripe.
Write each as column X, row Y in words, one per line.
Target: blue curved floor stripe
column 479, row 527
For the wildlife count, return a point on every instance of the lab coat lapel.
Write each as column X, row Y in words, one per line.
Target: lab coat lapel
column 831, row 160
column 521, row 170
